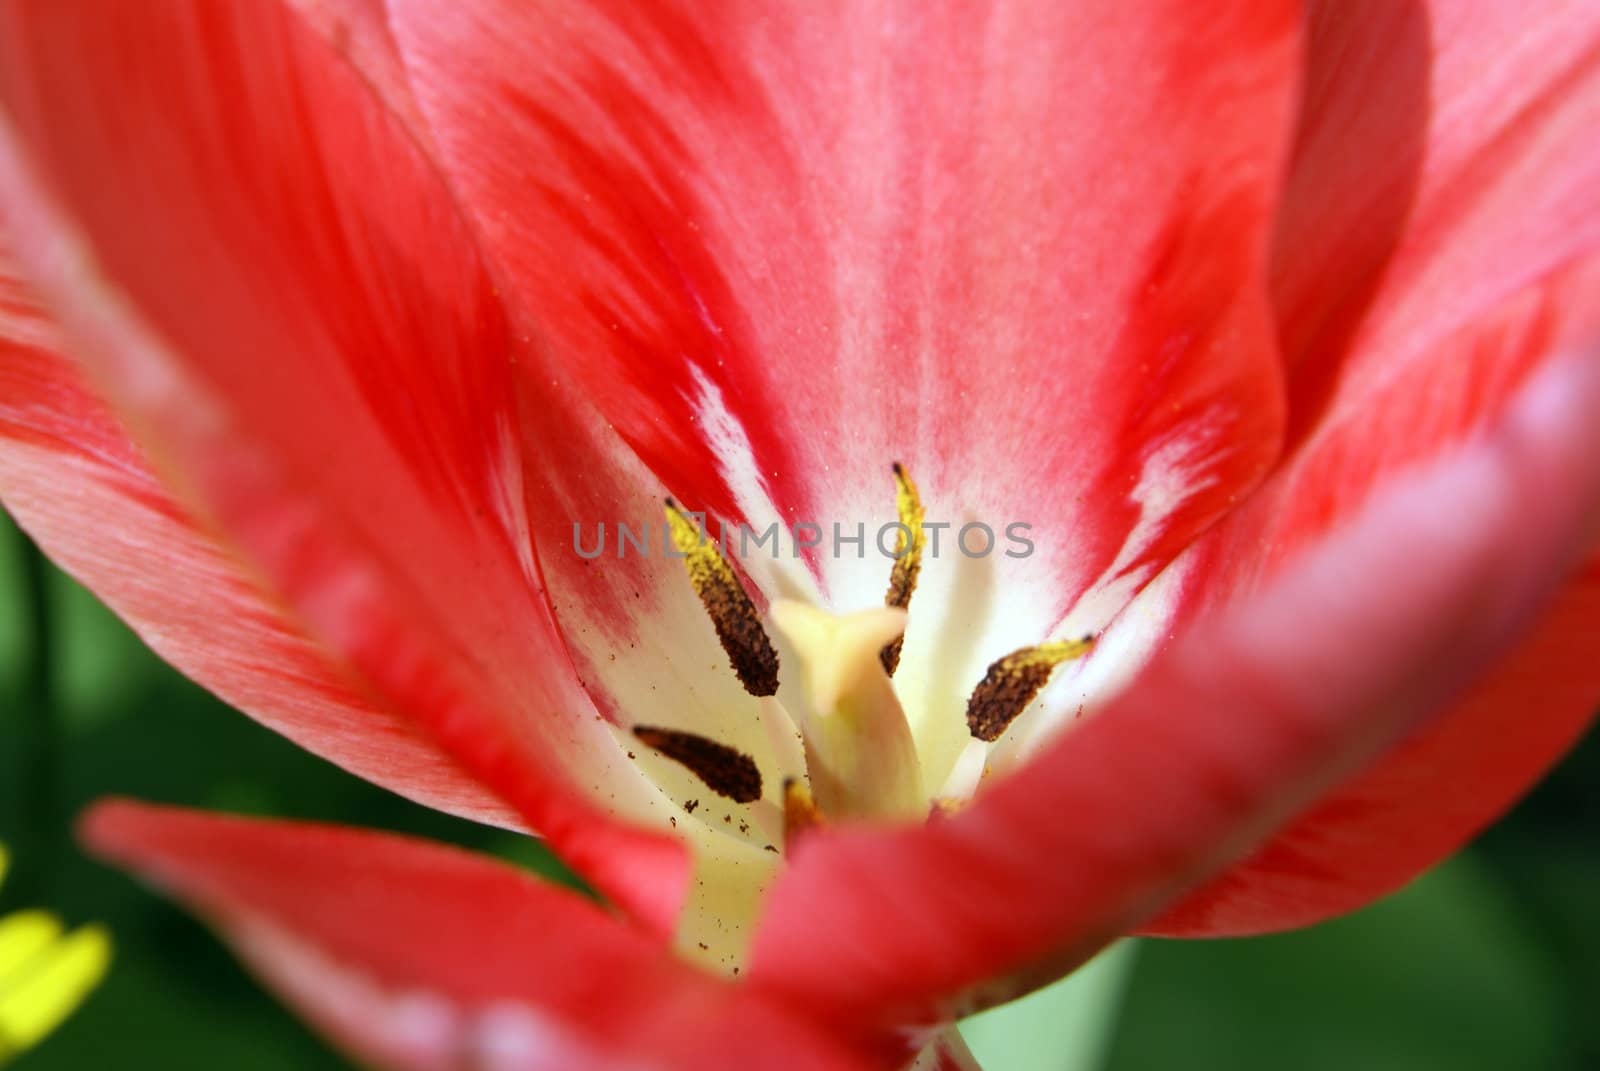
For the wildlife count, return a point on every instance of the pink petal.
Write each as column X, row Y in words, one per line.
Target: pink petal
column 64, row 458
column 1232, row 730
column 1445, row 162
column 417, row 957
column 277, row 294
column 784, row 247
column 1439, row 241
column 359, row 31
column 1424, row 800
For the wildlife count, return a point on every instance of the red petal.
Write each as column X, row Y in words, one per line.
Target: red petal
column 322, row 361
column 1423, row 800
column 359, row 31
column 1232, row 729
column 1501, row 737
column 1413, row 808
column 785, row 247
column 414, row 956
column 1445, row 161
column 64, row 458
column 1439, row 240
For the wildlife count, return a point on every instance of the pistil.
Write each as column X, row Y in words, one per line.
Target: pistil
column 860, row 755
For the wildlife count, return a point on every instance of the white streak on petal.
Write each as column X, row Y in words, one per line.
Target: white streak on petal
column 406, row 1032
column 512, row 1037
column 408, row 1029
column 777, row 576
column 508, row 497
column 1174, row 472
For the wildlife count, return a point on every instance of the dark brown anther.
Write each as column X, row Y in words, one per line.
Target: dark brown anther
column 1013, row 681
column 724, row 770
column 749, row 648
column 908, row 559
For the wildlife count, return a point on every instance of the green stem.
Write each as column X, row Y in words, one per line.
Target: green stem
column 42, row 810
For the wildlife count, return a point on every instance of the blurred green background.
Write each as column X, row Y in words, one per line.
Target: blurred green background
column 1492, row 961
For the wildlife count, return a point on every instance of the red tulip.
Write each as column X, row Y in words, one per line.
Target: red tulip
column 1277, row 327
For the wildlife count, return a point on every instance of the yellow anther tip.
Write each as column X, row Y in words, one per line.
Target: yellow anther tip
column 1066, row 650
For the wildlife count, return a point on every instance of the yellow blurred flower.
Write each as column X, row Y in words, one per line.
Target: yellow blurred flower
column 45, row 972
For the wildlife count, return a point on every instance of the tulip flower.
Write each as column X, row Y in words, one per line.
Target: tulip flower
column 1260, row 337
column 45, row 973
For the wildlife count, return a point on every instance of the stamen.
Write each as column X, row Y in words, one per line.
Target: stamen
column 908, row 559
column 1012, row 682
column 725, row 771
column 734, row 616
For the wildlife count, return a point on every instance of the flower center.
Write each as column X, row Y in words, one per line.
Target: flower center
column 858, row 752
